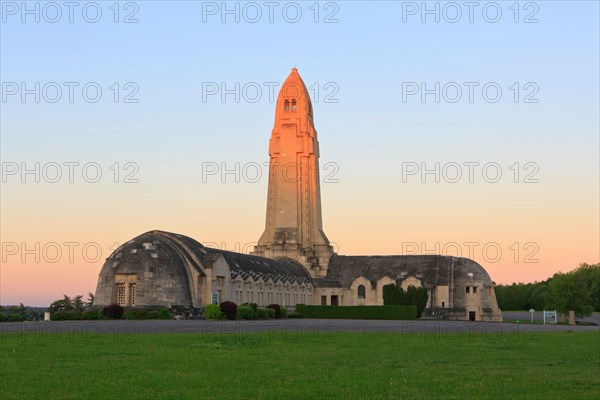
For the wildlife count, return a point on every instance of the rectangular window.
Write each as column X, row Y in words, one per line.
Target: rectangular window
column 474, row 289
column 323, row 300
column 121, row 294
column 467, row 289
column 126, row 289
column 132, row 294
column 443, row 304
column 334, row 300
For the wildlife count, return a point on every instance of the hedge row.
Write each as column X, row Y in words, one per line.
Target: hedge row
column 163, row 313
column 248, row 312
column 358, row 312
column 230, row 310
column 113, row 311
column 11, row 318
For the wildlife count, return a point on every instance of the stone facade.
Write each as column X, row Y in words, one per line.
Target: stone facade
column 293, row 261
column 163, row 269
column 457, row 286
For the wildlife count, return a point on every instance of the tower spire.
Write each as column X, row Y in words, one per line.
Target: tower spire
column 294, row 226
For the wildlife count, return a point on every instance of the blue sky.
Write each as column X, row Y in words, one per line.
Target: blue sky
column 367, row 54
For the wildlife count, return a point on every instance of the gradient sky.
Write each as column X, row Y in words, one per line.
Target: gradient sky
column 175, row 130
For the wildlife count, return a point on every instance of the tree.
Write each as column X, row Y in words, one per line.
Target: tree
column 417, row 297
column 90, row 302
column 537, row 296
column 72, row 304
column 589, row 275
column 395, row 295
column 78, row 304
column 392, row 295
column 64, row 304
column 568, row 292
column 595, row 292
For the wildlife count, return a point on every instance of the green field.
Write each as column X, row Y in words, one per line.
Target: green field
column 304, row 366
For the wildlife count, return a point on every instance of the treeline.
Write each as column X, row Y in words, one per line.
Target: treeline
column 20, row 313
column 59, row 307
column 578, row 290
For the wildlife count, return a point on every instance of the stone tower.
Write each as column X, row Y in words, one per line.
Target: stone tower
column 294, row 227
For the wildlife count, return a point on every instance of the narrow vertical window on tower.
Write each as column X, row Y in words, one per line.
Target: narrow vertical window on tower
column 361, row 292
column 286, row 105
column 293, row 105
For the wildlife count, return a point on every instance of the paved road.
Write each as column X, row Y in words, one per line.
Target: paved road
column 539, row 316
column 288, row 326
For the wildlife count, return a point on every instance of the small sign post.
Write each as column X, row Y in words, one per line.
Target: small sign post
column 531, row 311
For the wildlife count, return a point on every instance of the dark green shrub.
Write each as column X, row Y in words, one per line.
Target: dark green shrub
column 11, row 318
column 277, row 309
column 154, row 314
column 294, row 315
column 66, row 316
column 16, row 318
column 164, row 313
column 270, row 312
column 245, row 312
column 417, row 297
column 114, row 311
column 212, row 311
column 392, row 295
column 284, row 312
column 229, row 309
column 253, row 305
column 135, row 314
column 93, row 314
column 261, row 313
column 359, row 312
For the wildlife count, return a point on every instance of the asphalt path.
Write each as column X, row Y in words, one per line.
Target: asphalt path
column 286, row 326
column 538, row 316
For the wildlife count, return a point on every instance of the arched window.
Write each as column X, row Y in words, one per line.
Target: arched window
column 361, row 292
column 294, row 105
column 286, row 105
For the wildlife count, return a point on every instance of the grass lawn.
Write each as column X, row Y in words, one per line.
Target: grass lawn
column 304, row 366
